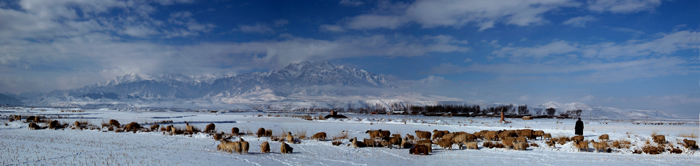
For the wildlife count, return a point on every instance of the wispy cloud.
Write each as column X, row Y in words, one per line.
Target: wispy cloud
column 622, row 6
column 579, row 21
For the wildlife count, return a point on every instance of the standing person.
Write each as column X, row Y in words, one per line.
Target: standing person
column 579, row 127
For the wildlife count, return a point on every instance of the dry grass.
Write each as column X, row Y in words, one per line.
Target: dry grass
column 691, row 135
column 649, row 149
column 342, row 135
column 300, row 133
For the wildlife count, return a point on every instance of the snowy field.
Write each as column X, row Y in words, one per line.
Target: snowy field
column 94, row 147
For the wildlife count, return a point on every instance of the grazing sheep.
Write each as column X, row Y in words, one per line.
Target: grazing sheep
column 30, row 118
column 210, row 128
column 600, row 146
column 261, row 132
column 37, row 119
column 218, row 136
column 370, row 142
column 321, row 136
column 237, row 147
column 547, row 136
column 419, row 149
column 521, row 139
column 526, row 133
column 54, row 124
column 445, row 144
column 507, row 133
column 33, row 126
column 508, row 142
column 463, row 139
column 114, row 123
column 478, row 135
column 244, row 147
column 538, row 133
column 449, row 137
column 386, row 143
column 395, row 139
column 133, row 126
column 405, row 144
column 169, row 128
column 384, row 133
column 459, row 133
column 426, row 143
column 577, row 138
column 659, row 139
column 423, row 134
column 437, row 134
column 551, row 143
column 265, row 147
column 17, row 117
column 520, row 145
column 290, row 138
column 190, row 129
column 581, row 145
column 491, row 135
column 472, row 145
column 690, row 144
column 357, row 144
column 235, row 131
column 155, row 127
column 228, row 146
column 374, row 134
column 410, row 137
column 284, row 148
column 604, row 137
column 268, row 133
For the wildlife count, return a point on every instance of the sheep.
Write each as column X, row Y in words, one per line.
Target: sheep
column 600, row 146
column 37, row 119
column 290, row 138
column 268, row 133
column 114, row 123
column 419, row 149
column 423, row 134
column 357, row 144
column 155, row 127
column 463, row 139
column 491, row 135
column 17, row 117
column 538, row 133
column 690, row 144
column 659, row 139
column 133, row 126
column 581, row 145
column 526, row 133
column 54, row 124
column 405, row 143
column 190, row 129
column 265, row 147
column 33, row 126
column 478, row 135
column 384, row 133
column 370, row 142
column 30, row 118
column 218, row 136
column 577, row 138
column 507, row 133
column 386, row 143
column 321, row 136
column 229, row 146
column 210, row 128
column 235, row 131
column 508, row 141
column 547, row 136
column 437, row 134
column 520, row 145
column 244, row 147
column 551, row 143
column 261, row 132
column 521, row 139
column 448, row 137
column 410, row 137
column 395, row 139
column 426, row 143
column 285, row 148
column 472, row 145
column 445, row 144
column 374, row 134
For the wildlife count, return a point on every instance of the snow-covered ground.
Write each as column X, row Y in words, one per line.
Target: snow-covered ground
column 92, row 147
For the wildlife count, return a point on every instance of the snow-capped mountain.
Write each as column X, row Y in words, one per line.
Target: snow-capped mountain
column 599, row 112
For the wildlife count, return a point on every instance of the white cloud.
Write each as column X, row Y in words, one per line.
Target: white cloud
column 281, row 22
column 331, row 28
column 554, row 48
column 351, row 2
column 622, row 6
column 257, row 28
column 579, row 21
column 371, row 21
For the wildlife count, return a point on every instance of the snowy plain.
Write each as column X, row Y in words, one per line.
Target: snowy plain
column 93, row 147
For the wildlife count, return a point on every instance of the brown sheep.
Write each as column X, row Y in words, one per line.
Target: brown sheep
column 370, row 142
column 581, row 145
column 448, row 136
column 521, row 139
column 604, row 137
column 426, row 143
column 357, row 144
column 54, row 125
column 290, row 138
column 600, row 146
column 321, row 136
column 244, row 147
column 507, row 133
column 478, row 135
column 410, row 137
column 237, row 147
column 445, row 144
column 395, row 139
column 405, row 143
column 491, row 135
column 538, row 133
column 384, row 133
column 577, row 138
column 265, row 147
column 235, row 131
column 419, row 149
column 659, row 139
column 30, row 118
column 526, row 133
column 268, row 133
column 460, row 133
column 218, row 136
column 374, row 134
column 33, row 126
column 547, row 136
column 228, row 146
column 155, row 127
column 422, row 134
column 133, row 126
column 463, row 139
column 37, row 119
column 520, row 145
column 261, row 132
column 472, row 145
column 114, row 123
column 551, row 143
column 284, row 148
column 690, row 144
column 437, row 134
column 386, row 143
column 508, row 142
column 190, row 129
column 17, row 117
column 210, row 128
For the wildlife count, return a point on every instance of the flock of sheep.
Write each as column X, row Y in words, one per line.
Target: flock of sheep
column 421, row 143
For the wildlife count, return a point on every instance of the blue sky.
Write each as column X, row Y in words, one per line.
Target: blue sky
column 640, row 54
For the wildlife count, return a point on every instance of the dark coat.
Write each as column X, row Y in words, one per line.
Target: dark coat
column 579, row 127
